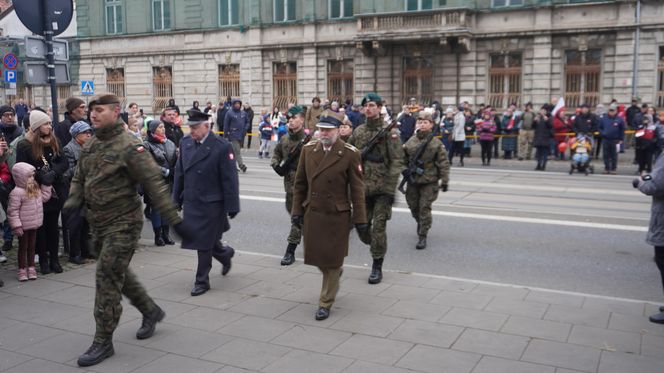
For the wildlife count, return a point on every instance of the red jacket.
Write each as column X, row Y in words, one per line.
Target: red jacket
column 560, row 128
column 5, row 176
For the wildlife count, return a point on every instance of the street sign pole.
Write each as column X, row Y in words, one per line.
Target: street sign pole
column 50, row 59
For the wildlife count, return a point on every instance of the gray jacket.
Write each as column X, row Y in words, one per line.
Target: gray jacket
column 72, row 152
column 655, row 188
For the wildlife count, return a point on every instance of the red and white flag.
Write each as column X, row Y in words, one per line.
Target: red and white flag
column 560, row 105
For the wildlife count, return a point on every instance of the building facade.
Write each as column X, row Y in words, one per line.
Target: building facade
column 274, row 52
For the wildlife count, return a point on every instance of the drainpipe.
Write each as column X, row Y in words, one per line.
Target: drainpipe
column 637, row 43
column 458, row 73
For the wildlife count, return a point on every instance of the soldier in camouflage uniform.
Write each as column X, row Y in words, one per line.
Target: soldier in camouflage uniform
column 382, row 167
column 111, row 165
column 433, row 174
column 286, row 149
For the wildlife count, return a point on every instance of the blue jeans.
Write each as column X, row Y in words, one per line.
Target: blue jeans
column 610, row 154
column 157, row 222
column 7, row 232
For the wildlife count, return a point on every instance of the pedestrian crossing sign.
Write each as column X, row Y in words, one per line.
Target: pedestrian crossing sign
column 87, row 87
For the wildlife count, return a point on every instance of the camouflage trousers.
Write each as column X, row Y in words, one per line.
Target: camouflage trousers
column 420, row 197
column 295, row 234
column 379, row 211
column 114, row 279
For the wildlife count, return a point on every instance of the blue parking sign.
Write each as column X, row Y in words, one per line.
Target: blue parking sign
column 10, row 76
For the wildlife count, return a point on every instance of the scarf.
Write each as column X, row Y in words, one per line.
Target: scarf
column 161, row 139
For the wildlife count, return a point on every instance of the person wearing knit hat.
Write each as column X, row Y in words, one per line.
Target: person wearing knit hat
column 38, row 119
column 76, row 111
column 8, row 126
column 77, row 234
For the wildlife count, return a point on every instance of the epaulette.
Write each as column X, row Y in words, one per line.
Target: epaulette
column 350, row 147
column 311, row 143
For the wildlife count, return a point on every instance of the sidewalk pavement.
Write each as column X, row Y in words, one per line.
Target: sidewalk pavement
column 260, row 318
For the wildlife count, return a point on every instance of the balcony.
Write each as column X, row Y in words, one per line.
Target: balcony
column 413, row 25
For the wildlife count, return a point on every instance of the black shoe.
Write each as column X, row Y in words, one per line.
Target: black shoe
column 289, row 256
column 158, row 240
column 43, row 267
column 243, row 168
column 226, row 262
column 322, row 313
column 199, row 290
column 165, row 235
column 55, row 267
column 376, row 275
column 96, row 354
column 7, row 245
column 661, row 309
column 422, row 243
column 658, row 318
column 77, row 260
column 149, row 323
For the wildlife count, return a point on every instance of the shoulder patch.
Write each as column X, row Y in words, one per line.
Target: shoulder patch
column 350, row 147
column 140, row 149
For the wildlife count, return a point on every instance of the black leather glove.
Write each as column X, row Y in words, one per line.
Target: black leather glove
column 280, row 171
column 232, row 214
column 635, row 182
column 297, row 220
column 183, row 231
column 362, row 228
column 443, row 187
column 45, row 177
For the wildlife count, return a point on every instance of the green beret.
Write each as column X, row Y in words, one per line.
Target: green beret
column 371, row 96
column 295, row 110
column 104, row 99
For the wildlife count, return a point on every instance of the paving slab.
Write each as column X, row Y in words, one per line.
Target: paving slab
column 304, row 314
column 373, row 349
column 562, row 355
column 578, row 316
column 516, row 307
column 491, row 343
column 312, row 338
column 551, row 297
column 127, row 358
column 438, row 360
column 243, row 353
column 490, row 364
column 367, row 367
column 411, row 293
column 256, row 328
column 177, row 363
column 60, row 349
column 43, row 366
column 298, row 361
column 534, row 328
column 204, row 318
column 263, row 307
column 428, row 333
column 186, row 341
column 23, row 335
column 619, row 362
column 474, row 319
column 416, row 310
column 364, row 323
column 465, row 300
column 605, row 339
column 10, row 359
column 652, row 345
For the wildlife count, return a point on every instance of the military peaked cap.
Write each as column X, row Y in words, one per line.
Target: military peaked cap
column 196, row 117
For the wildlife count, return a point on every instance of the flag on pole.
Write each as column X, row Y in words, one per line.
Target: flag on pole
column 560, row 105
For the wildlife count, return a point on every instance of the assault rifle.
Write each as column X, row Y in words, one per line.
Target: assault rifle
column 374, row 141
column 287, row 164
column 415, row 165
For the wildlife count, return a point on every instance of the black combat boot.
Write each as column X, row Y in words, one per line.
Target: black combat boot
column 150, row 322
column 96, row 353
column 422, row 243
column 243, row 168
column 165, row 236
column 657, row 318
column 260, row 155
column 376, row 275
column 158, row 240
column 289, row 256
column 43, row 266
column 55, row 266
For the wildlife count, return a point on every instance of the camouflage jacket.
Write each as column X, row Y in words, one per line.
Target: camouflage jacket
column 434, row 159
column 285, row 145
column 381, row 174
column 111, row 166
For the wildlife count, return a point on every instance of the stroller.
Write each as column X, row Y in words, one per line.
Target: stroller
column 581, row 151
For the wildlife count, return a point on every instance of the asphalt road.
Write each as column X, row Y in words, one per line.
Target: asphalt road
column 541, row 229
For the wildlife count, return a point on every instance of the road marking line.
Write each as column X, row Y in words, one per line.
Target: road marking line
column 480, row 282
column 503, row 218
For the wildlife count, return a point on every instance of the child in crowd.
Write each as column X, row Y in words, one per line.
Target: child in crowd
column 486, row 128
column 25, row 214
column 267, row 131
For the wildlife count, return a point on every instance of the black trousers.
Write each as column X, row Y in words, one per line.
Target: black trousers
column 542, row 155
column 486, row 150
column 48, row 238
column 218, row 252
column 659, row 260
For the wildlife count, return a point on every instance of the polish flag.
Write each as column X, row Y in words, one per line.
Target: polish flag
column 560, row 105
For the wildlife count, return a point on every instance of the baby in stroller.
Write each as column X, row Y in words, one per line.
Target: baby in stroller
column 581, row 149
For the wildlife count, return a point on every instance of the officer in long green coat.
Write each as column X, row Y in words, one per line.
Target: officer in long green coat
column 286, row 150
column 429, row 173
column 382, row 166
column 111, row 166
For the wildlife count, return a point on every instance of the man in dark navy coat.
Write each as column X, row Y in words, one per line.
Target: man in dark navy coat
column 206, row 186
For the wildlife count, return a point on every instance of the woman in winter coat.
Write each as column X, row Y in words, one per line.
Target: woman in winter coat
column 542, row 138
column 486, row 130
column 458, row 136
column 41, row 149
column 561, row 126
column 653, row 185
column 25, row 215
column 163, row 152
column 510, row 128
